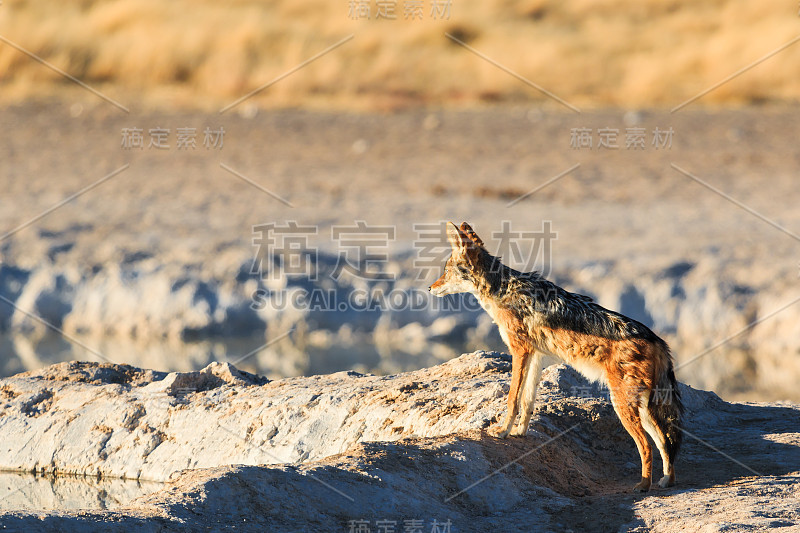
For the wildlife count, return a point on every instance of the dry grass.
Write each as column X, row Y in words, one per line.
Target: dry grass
column 593, row 53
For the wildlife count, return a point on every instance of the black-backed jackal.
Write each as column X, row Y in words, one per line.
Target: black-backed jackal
column 539, row 320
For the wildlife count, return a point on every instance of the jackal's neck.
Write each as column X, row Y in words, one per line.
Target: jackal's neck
column 495, row 282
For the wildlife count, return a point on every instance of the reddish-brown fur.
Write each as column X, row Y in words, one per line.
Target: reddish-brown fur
column 605, row 345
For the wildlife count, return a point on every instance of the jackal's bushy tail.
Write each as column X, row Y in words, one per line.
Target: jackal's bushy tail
column 666, row 410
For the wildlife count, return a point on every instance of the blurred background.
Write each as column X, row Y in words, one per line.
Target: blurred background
column 593, row 53
column 265, row 183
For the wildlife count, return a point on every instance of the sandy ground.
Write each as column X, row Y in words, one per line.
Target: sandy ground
column 629, row 208
column 403, row 168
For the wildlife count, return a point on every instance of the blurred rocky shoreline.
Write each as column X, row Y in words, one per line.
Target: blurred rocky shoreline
column 381, row 326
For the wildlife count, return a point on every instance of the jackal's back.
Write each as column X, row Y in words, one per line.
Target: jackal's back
column 557, row 308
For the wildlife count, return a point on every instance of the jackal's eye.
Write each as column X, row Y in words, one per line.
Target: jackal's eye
column 463, row 271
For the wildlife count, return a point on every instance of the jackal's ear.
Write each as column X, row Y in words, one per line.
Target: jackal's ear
column 458, row 239
column 469, row 232
column 461, row 243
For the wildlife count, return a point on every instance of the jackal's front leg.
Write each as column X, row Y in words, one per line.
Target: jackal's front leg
column 531, row 374
column 518, row 364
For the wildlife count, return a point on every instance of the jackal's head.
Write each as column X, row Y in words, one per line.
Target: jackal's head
column 461, row 269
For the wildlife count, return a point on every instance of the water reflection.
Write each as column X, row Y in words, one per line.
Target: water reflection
column 44, row 493
column 281, row 354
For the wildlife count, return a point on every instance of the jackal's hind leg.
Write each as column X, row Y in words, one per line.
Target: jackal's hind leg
column 657, row 434
column 626, row 401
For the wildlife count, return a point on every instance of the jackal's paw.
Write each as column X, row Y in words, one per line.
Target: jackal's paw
column 642, row 486
column 498, row 431
column 666, row 481
column 518, row 431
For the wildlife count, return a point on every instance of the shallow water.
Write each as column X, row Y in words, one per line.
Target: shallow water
column 284, row 357
column 27, row 491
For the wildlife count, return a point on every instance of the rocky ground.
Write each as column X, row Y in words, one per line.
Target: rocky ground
column 351, row 450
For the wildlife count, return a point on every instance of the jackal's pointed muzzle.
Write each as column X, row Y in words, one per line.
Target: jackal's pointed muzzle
column 436, row 288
